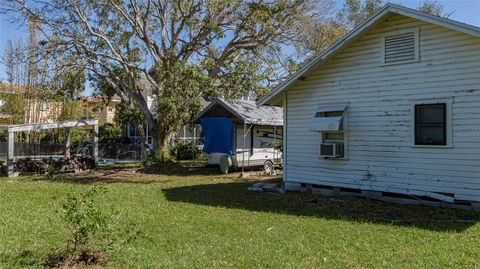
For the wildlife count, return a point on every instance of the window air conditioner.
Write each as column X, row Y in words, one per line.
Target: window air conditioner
column 331, row 150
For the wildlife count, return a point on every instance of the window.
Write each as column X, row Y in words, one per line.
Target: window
column 335, row 136
column 44, row 105
column 400, row 46
column 131, row 131
column 431, row 124
column 330, row 121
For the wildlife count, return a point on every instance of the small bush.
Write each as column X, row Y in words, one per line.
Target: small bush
column 158, row 158
column 80, row 137
column 276, row 144
column 186, row 151
column 92, row 230
column 110, row 133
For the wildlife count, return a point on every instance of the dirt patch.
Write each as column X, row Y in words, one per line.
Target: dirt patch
column 90, row 258
column 135, row 174
column 124, row 175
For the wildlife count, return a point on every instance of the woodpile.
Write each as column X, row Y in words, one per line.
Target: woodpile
column 50, row 165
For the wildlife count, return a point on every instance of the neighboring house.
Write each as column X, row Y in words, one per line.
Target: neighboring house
column 392, row 109
column 243, row 131
column 190, row 133
column 36, row 110
column 43, row 111
column 131, row 133
column 97, row 107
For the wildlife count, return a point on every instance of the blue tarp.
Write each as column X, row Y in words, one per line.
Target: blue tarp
column 218, row 135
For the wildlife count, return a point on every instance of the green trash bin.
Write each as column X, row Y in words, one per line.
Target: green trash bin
column 225, row 163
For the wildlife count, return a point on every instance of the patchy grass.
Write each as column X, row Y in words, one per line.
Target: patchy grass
column 199, row 218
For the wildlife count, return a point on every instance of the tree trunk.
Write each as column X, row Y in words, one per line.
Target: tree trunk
column 161, row 143
column 144, row 144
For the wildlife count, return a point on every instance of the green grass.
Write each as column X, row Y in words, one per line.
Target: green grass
column 201, row 219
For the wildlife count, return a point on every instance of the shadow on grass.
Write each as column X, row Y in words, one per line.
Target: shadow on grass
column 56, row 259
column 179, row 170
column 235, row 195
column 129, row 175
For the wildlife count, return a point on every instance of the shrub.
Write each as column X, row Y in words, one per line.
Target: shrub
column 80, row 137
column 186, row 151
column 110, row 133
column 159, row 158
column 276, row 144
column 92, row 230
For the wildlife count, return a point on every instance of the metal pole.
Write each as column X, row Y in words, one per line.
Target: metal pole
column 67, row 141
column 95, row 145
column 274, row 142
column 194, row 133
column 243, row 150
column 10, row 153
column 184, row 133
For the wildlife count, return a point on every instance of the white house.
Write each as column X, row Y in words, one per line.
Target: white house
column 392, row 109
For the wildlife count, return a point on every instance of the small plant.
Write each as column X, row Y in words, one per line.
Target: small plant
column 92, row 230
column 110, row 133
column 186, row 151
column 80, row 137
column 158, row 158
column 276, row 144
column 50, row 172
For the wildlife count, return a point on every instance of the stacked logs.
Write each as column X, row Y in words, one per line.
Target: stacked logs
column 50, row 165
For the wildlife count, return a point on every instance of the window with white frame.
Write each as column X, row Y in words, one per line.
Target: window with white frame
column 431, row 123
column 44, row 105
column 401, row 46
column 330, row 122
column 131, row 131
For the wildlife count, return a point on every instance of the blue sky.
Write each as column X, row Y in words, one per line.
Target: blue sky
column 466, row 11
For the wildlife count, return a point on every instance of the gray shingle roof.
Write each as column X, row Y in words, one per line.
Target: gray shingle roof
column 248, row 112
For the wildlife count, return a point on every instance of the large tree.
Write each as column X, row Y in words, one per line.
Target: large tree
column 354, row 12
column 183, row 49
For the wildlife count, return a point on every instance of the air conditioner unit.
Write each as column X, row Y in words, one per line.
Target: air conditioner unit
column 331, row 150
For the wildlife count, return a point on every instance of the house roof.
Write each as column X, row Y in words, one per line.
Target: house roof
column 98, row 99
column 388, row 9
column 247, row 111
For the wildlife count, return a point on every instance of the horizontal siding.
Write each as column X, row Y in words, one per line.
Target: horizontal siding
column 380, row 151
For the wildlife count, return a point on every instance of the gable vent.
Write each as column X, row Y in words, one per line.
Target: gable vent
column 400, row 48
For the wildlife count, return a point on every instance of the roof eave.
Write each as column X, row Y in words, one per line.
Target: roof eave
column 221, row 103
column 389, row 8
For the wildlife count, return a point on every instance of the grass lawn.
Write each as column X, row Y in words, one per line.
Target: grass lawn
column 199, row 219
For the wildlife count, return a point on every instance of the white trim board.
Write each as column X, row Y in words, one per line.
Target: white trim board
column 50, row 125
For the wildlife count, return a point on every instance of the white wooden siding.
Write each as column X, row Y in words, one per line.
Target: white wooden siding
column 380, row 152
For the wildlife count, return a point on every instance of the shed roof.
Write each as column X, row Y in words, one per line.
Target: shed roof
column 387, row 10
column 246, row 111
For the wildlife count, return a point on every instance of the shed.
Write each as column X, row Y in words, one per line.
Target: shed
column 390, row 110
column 249, row 132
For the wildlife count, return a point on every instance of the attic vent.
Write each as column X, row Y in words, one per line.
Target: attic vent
column 400, row 47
